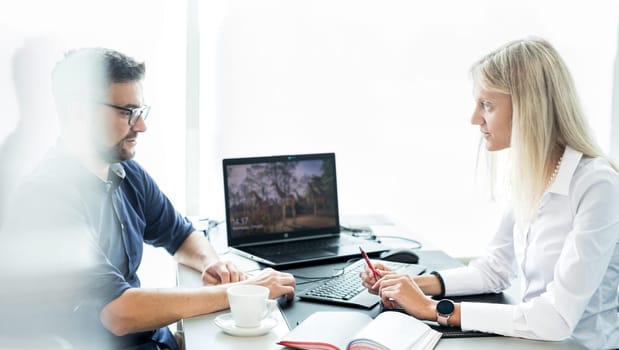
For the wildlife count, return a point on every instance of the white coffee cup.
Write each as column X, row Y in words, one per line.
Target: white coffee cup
column 250, row 304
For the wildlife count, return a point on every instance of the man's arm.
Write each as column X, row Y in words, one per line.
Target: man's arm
column 140, row 309
column 198, row 253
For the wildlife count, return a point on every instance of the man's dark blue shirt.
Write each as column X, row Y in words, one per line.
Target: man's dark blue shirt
column 121, row 214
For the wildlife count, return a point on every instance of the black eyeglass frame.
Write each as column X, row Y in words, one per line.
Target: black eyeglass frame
column 136, row 113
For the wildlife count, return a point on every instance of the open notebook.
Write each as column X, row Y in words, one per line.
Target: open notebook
column 346, row 330
column 283, row 210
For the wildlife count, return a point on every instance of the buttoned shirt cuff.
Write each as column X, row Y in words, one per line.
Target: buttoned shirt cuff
column 462, row 281
column 488, row 318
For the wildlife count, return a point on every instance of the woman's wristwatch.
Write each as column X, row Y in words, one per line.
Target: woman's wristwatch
column 444, row 309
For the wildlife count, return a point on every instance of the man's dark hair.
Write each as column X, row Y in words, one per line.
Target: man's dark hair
column 86, row 74
column 120, row 68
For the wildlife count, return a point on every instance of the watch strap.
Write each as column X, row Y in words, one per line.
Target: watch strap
column 443, row 320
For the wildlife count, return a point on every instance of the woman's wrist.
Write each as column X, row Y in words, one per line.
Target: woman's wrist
column 441, row 284
column 430, row 311
column 429, row 284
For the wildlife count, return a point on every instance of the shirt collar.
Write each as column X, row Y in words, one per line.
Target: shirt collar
column 115, row 175
column 117, row 170
column 569, row 162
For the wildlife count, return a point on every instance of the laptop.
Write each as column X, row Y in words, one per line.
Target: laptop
column 283, row 211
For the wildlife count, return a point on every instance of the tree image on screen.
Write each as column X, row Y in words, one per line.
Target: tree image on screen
column 281, row 196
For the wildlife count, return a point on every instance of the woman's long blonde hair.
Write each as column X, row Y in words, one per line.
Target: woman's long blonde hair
column 546, row 114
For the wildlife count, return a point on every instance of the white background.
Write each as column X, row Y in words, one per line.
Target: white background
column 384, row 84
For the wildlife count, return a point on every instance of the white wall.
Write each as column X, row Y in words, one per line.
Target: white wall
column 150, row 31
column 384, row 84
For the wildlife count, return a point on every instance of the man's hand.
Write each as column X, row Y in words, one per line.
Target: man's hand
column 197, row 253
column 221, row 272
column 279, row 283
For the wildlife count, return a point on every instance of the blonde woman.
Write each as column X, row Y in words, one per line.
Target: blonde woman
column 561, row 235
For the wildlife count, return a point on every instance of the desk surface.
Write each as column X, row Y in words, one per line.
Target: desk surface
column 202, row 333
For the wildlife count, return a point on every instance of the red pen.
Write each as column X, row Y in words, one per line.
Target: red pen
column 367, row 261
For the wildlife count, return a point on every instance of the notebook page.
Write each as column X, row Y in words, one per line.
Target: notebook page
column 330, row 327
column 396, row 330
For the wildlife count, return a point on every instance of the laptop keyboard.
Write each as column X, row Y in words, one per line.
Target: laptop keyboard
column 345, row 287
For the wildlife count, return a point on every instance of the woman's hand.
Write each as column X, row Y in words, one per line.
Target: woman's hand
column 221, row 272
column 368, row 279
column 401, row 290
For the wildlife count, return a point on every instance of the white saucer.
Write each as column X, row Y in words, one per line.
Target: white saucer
column 226, row 323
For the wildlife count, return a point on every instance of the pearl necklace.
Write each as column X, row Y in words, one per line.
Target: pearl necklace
column 554, row 172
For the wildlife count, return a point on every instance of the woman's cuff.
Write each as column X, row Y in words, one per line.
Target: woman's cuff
column 441, row 282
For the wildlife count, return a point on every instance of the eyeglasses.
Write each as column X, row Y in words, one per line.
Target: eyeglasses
column 132, row 114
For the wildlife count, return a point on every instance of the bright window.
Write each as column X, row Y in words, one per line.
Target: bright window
column 385, row 85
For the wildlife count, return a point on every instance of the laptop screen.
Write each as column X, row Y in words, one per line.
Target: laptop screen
column 280, row 197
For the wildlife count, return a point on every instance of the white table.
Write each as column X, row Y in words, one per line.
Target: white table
column 202, row 333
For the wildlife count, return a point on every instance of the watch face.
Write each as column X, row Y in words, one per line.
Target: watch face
column 445, row 307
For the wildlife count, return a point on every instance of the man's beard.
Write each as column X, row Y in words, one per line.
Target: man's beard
column 117, row 153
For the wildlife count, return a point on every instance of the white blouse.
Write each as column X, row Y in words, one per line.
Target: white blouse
column 568, row 259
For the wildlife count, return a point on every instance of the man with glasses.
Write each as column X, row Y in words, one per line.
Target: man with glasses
column 90, row 182
column 131, row 113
